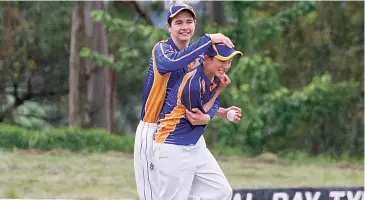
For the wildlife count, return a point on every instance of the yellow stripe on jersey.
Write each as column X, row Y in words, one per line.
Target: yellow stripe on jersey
column 168, row 124
column 157, row 94
column 193, row 65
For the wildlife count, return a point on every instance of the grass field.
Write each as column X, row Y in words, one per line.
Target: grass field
column 60, row 174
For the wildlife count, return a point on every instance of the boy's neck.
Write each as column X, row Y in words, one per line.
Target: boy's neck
column 181, row 44
column 209, row 74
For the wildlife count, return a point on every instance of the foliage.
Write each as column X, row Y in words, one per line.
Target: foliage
column 38, row 65
column 274, row 25
column 248, row 30
column 11, row 194
column 73, row 139
column 271, row 111
column 31, row 115
column 131, row 44
column 36, row 37
column 291, row 101
column 133, row 47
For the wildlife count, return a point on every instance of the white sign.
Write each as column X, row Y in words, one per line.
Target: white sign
column 299, row 195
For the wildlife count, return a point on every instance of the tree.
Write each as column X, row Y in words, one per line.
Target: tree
column 216, row 13
column 98, row 76
column 74, row 73
column 131, row 49
column 26, row 77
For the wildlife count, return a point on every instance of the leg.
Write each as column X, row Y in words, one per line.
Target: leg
column 138, row 161
column 152, row 182
column 143, row 167
column 175, row 172
column 209, row 181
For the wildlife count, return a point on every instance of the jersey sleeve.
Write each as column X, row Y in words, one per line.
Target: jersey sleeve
column 168, row 60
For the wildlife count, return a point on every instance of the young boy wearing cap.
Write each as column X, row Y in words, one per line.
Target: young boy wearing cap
column 170, row 60
column 185, row 167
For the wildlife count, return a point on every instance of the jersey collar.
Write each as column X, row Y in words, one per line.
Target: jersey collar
column 172, row 43
column 206, row 79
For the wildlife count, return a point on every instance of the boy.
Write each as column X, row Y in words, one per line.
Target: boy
column 185, row 167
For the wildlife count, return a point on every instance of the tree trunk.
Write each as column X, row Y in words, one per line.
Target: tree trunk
column 5, row 50
column 110, row 91
column 74, row 93
column 109, row 101
column 199, row 29
column 96, row 40
column 216, row 12
column 9, row 47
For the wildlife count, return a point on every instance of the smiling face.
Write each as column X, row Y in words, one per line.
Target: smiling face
column 215, row 67
column 182, row 26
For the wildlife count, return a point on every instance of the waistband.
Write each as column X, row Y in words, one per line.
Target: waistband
column 152, row 125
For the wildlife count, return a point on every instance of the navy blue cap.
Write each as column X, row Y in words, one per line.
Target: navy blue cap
column 222, row 52
column 178, row 7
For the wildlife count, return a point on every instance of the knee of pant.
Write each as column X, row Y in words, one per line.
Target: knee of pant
column 226, row 192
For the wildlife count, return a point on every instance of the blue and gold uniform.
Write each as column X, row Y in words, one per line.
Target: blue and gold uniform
column 167, row 64
column 192, row 91
column 185, row 167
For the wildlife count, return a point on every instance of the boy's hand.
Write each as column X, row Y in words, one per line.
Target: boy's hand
column 197, row 117
column 238, row 115
column 224, row 82
column 220, row 38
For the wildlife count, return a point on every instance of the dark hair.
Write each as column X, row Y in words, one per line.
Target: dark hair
column 169, row 21
column 210, row 57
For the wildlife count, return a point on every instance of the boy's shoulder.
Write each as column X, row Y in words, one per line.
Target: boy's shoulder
column 192, row 79
column 165, row 46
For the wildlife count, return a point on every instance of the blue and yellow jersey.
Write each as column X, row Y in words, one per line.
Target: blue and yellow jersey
column 191, row 91
column 167, row 65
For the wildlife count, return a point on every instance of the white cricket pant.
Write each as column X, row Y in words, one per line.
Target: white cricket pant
column 189, row 172
column 144, row 171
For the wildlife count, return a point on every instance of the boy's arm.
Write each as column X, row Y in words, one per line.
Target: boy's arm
column 211, row 108
column 168, row 60
column 197, row 117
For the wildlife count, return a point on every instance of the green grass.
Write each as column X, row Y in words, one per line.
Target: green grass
column 61, row 174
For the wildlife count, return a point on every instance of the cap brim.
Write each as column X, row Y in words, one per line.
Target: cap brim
column 181, row 9
column 222, row 58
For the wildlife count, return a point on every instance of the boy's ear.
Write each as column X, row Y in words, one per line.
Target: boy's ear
column 168, row 27
column 206, row 58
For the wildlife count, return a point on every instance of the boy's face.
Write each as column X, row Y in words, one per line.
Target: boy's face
column 182, row 26
column 217, row 67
